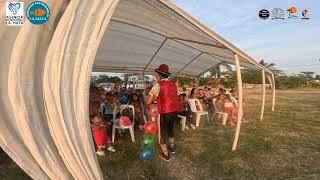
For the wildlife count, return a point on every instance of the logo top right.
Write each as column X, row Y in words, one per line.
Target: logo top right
column 292, row 13
column 305, row 14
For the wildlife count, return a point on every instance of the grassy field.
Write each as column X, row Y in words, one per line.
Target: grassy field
column 286, row 144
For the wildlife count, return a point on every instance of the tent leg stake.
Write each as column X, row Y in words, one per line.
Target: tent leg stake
column 240, row 113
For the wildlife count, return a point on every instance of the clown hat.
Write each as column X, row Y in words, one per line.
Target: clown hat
column 163, row 69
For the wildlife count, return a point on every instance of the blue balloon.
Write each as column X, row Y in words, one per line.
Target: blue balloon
column 146, row 154
column 126, row 93
column 123, row 100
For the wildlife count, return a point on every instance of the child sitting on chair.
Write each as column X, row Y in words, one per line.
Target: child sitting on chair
column 139, row 116
column 98, row 127
column 231, row 109
column 184, row 110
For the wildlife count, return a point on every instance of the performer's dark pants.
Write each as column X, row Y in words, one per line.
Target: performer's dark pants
column 167, row 122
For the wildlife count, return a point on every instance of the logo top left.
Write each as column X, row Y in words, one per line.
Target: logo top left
column 14, row 13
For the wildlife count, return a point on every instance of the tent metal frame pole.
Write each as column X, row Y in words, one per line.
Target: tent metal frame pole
column 197, row 42
column 210, row 68
column 209, row 53
column 272, row 85
column 263, row 93
column 152, row 58
column 216, row 55
column 197, row 82
column 213, row 34
column 240, row 113
column 270, row 81
column 195, row 58
column 273, row 92
column 249, row 59
column 172, row 38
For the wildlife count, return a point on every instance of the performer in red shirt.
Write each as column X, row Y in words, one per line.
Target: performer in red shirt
column 166, row 94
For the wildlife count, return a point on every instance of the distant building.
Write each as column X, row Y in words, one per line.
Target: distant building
column 139, row 81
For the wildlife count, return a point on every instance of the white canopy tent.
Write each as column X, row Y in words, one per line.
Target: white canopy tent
column 45, row 73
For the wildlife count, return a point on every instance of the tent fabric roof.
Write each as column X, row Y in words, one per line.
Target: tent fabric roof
column 143, row 34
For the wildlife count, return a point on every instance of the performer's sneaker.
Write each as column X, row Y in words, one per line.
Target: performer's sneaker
column 172, row 150
column 164, row 157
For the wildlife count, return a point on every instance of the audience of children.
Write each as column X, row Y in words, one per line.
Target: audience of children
column 225, row 102
column 103, row 104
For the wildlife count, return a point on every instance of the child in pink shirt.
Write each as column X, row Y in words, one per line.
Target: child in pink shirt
column 231, row 109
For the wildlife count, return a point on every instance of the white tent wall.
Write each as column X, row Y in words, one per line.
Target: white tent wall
column 44, row 70
column 24, row 131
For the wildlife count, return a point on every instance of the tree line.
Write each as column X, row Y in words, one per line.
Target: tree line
column 227, row 74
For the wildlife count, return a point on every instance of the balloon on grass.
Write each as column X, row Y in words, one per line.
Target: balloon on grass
column 150, row 128
column 148, row 141
column 146, row 154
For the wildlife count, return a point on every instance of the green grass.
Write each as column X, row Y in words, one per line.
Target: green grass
column 286, row 144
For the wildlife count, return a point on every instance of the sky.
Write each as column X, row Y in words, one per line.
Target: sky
column 288, row 42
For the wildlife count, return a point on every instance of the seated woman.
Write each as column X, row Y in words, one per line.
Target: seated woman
column 203, row 100
column 184, row 110
column 98, row 127
column 231, row 109
column 193, row 94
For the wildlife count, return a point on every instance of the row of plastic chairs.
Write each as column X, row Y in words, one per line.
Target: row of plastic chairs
column 193, row 106
column 192, row 103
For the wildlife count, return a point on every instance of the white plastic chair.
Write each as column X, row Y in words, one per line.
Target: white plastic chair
column 116, row 126
column 221, row 115
column 183, row 122
column 192, row 103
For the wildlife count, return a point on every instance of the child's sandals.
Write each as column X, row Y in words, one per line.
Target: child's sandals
column 100, row 153
column 111, row 149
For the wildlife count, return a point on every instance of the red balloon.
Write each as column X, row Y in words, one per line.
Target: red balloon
column 153, row 112
column 150, row 127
